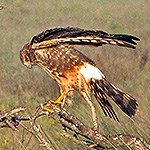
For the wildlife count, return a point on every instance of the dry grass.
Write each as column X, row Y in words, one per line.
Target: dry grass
column 23, row 87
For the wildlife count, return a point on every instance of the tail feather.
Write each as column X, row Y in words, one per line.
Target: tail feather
column 77, row 36
column 102, row 88
column 127, row 103
column 102, row 99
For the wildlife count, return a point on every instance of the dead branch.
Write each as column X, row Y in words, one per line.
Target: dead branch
column 74, row 129
column 92, row 138
column 11, row 120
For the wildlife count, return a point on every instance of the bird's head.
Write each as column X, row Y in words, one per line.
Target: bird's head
column 26, row 56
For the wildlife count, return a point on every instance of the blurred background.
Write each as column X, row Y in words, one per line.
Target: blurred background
column 126, row 68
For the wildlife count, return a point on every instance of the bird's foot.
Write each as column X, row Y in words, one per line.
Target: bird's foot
column 51, row 111
column 48, row 105
column 57, row 101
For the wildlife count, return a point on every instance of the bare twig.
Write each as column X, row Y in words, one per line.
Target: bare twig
column 11, row 112
column 71, row 124
column 94, row 139
column 9, row 118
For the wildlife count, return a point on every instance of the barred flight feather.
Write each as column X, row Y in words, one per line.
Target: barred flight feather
column 102, row 88
column 102, row 100
column 77, row 36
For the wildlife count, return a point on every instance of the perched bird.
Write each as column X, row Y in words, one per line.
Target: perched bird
column 53, row 51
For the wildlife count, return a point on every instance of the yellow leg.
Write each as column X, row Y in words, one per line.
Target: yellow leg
column 58, row 101
column 48, row 110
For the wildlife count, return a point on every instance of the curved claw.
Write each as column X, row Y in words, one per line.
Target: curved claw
column 59, row 100
column 48, row 110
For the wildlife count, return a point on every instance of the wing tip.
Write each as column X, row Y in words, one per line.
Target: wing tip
column 128, row 40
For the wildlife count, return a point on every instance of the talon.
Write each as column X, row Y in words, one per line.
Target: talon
column 48, row 110
column 58, row 101
column 44, row 107
column 47, row 104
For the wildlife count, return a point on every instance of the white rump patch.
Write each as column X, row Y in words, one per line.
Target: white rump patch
column 89, row 71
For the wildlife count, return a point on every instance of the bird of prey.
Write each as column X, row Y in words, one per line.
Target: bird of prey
column 54, row 51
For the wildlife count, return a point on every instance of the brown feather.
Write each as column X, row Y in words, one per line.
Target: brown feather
column 102, row 88
column 77, row 36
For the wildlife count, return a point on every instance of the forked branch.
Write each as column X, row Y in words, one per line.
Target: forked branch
column 74, row 129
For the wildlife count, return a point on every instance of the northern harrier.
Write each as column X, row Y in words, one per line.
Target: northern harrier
column 53, row 51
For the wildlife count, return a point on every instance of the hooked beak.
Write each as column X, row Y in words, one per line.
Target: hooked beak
column 28, row 65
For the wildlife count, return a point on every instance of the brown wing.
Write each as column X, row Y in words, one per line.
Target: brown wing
column 77, row 36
